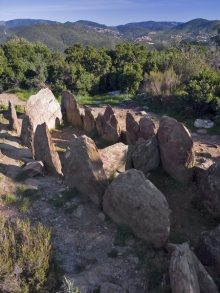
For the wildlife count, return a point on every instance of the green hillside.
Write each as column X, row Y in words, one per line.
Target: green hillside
column 57, row 36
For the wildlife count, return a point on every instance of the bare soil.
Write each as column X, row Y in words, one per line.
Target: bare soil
column 88, row 247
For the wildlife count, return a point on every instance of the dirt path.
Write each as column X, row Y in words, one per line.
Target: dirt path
column 5, row 98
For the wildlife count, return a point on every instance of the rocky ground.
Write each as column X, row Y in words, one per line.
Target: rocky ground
column 90, row 249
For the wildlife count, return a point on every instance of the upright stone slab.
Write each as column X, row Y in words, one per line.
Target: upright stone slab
column 13, row 119
column 44, row 150
column 133, row 201
column 147, row 128
column 83, row 169
column 89, row 120
column 176, row 149
column 210, row 189
column 70, row 109
column 108, row 126
column 144, row 128
column 43, row 107
column 132, row 129
column 187, row 273
column 27, row 133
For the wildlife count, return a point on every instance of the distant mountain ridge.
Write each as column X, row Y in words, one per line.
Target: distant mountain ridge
column 57, row 36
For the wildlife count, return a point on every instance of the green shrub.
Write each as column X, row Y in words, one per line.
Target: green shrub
column 9, row 198
column 25, row 256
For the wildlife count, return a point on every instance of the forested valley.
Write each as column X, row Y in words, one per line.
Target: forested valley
column 183, row 77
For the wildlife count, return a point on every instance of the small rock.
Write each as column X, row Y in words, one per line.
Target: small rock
column 101, row 217
column 202, row 131
column 78, row 212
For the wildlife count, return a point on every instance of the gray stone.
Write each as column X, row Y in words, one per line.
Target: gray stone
column 44, row 150
column 133, row 201
column 34, row 168
column 70, row 109
column 187, row 273
column 210, row 189
column 208, row 248
column 203, row 123
column 176, row 149
column 83, row 169
column 78, row 212
column 27, row 132
column 146, row 156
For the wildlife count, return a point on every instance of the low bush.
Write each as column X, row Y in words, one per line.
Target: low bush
column 25, row 256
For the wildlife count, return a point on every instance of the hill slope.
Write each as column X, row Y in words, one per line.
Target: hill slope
column 57, row 36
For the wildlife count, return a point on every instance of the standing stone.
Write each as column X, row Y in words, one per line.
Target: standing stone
column 176, row 149
column 43, row 107
column 27, row 133
column 210, row 189
column 44, row 150
column 132, row 129
column 144, row 128
column 146, row 156
column 108, row 126
column 13, row 119
column 208, row 248
column 147, row 128
column 70, row 109
column 83, row 169
column 89, row 120
column 187, row 275
column 133, row 201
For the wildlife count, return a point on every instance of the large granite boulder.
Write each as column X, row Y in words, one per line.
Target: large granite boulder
column 108, row 126
column 13, row 119
column 145, row 156
column 89, row 120
column 210, row 189
column 208, row 248
column 176, row 149
column 70, row 109
column 114, row 159
column 187, row 274
column 83, row 169
column 133, row 201
column 44, row 150
column 43, row 107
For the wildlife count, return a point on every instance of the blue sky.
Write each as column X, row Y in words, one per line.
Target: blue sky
column 113, row 12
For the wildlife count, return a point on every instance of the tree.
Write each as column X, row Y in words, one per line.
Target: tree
column 203, row 91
